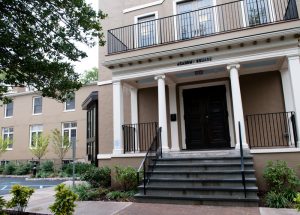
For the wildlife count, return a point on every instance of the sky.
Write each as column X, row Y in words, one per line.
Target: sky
column 92, row 59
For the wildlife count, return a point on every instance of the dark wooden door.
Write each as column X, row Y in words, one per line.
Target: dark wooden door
column 206, row 118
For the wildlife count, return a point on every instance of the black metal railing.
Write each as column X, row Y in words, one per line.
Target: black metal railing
column 272, row 130
column 242, row 161
column 233, row 16
column 154, row 152
column 138, row 137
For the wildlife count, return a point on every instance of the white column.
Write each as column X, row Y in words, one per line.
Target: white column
column 287, row 90
column 237, row 105
column 294, row 69
column 134, row 105
column 118, row 117
column 174, row 124
column 162, row 111
column 135, row 114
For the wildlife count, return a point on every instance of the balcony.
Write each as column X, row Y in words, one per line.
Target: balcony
column 205, row 22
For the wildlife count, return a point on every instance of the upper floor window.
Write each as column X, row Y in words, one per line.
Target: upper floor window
column 257, row 12
column 69, row 131
column 35, row 132
column 70, row 104
column 37, row 105
column 9, row 109
column 146, row 27
column 8, row 135
column 192, row 21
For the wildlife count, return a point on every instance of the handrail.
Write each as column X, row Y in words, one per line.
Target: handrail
column 154, row 152
column 242, row 161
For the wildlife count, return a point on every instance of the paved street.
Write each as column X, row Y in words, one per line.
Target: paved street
column 7, row 183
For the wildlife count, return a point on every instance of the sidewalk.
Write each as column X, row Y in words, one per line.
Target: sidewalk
column 42, row 198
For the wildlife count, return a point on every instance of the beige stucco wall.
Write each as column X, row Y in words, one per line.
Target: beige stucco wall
column 261, row 160
column 262, row 93
column 53, row 115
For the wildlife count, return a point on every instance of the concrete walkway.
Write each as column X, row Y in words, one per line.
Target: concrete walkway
column 42, row 198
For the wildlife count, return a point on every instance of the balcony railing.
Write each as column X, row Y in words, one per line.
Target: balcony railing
column 139, row 137
column 272, row 130
column 204, row 22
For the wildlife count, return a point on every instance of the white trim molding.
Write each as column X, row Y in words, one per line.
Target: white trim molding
column 102, row 83
column 279, row 150
column 142, row 6
column 129, row 155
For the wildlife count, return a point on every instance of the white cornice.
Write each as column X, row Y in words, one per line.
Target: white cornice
column 142, row 6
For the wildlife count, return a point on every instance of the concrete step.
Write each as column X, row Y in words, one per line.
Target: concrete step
column 233, row 160
column 199, row 200
column 195, row 182
column 221, row 174
column 202, row 166
column 238, row 192
column 206, row 153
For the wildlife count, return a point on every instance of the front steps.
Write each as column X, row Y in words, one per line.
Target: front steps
column 210, row 178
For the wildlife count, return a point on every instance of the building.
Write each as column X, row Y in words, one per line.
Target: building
column 29, row 115
column 198, row 69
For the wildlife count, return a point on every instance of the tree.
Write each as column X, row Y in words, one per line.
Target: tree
column 4, row 143
column 60, row 144
column 90, row 76
column 39, row 148
column 38, row 44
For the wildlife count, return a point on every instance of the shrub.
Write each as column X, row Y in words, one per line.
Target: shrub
column 127, row 178
column 120, row 195
column 64, row 201
column 297, row 202
column 281, row 179
column 98, row 177
column 1, row 169
column 276, row 200
column 86, row 192
column 47, row 166
column 21, row 195
column 10, row 168
column 80, row 168
column 23, row 169
column 2, row 205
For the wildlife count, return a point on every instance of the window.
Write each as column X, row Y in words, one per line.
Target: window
column 70, row 104
column 199, row 22
column 146, row 28
column 257, row 12
column 37, row 105
column 35, row 132
column 9, row 109
column 69, row 131
column 8, row 134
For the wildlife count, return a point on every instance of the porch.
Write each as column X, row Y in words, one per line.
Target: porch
column 266, row 109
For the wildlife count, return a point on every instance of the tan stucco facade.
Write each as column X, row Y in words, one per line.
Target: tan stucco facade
column 52, row 116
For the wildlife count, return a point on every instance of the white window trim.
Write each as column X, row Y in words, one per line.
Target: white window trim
column 5, row 112
column 136, row 30
column 30, row 135
column 143, row 6
column 33, row 102
column 228, row 102
column 216, row 21
column 63, row 129
column 70, row 110
column 8, row 149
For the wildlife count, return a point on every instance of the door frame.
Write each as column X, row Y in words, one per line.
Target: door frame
column 229, row 108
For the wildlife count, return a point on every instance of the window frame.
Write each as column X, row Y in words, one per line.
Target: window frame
column 33, row 105
column 5, row 110
column 69, row 131
column 136, row 28
column 36, row 131
column 70, row 110
column 9, row 134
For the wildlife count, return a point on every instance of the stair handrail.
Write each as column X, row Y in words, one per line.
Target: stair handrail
column 155, row 150
column 242, row 160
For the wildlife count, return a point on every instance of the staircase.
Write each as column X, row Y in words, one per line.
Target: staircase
column 208, row 178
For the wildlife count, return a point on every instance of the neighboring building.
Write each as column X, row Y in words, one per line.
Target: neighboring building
column 29, row 115
column 198, row 68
